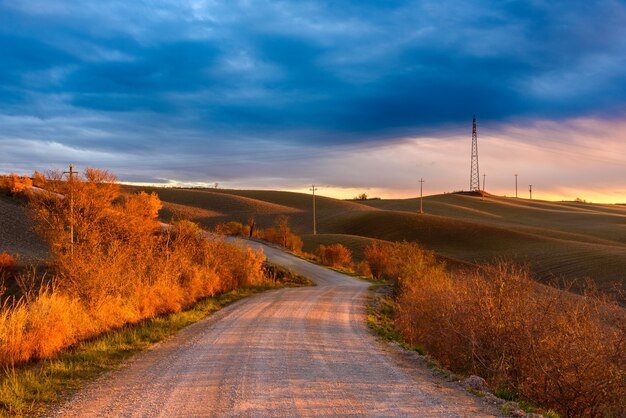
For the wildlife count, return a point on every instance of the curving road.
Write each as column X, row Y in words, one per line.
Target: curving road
column 287, row 352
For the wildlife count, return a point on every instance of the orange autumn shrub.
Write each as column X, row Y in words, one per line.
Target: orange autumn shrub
column 282, row 235
column 15, row 185
column 335, row 255
column 550, row 347
column 233, row 228
column 122, row 267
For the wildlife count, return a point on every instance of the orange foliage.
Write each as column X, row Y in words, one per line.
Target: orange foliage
column 6, row 262
column 14, row 184
column 39, row 179
column 562, row 351
column 233, row 228
column 122, row 267
column 335, row 255
column 282, row 235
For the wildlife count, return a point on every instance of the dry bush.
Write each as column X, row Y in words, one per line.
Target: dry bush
column 7, row 262
column 335, row 255
column 363, row 269
column 401, row 260
column 15, row 185
column 282, row 235
column 233, row 228
column 122, row 267
column 39, row 179
column 560, row 350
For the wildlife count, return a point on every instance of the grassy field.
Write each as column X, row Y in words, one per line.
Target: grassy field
column 557, row 240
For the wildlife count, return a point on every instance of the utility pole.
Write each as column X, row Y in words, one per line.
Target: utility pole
column 482, row 195
column 516, row 186
column 421, row 196
column 530, row 190
column 313, row 189
column 474, row 173
column 71, row 173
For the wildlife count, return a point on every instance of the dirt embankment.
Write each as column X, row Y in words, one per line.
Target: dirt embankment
column 16, row 233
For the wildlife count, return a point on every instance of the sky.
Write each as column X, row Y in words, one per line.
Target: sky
column 352, row 96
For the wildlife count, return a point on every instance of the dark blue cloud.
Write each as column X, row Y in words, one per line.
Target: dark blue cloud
column 304, row 72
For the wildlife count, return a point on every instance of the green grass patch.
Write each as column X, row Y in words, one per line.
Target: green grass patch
column 34, row 388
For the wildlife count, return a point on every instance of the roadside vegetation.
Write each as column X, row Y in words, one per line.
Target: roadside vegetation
column 124, row 283
column 13, row 184
column 335, row 255
column 121, row 268
column 34, row 389
column 531, row 342
column 280, row 234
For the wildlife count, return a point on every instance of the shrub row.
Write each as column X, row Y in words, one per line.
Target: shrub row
column 122, row 267
column 551, row 347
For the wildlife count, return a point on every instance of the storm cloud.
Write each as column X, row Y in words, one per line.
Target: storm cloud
column 239, row 91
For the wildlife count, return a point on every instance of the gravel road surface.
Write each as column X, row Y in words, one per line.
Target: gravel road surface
column 287, row 352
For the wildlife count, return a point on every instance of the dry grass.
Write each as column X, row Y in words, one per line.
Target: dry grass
column 13, row 184
column 122, row 268
column 32, row 390
column 550, row 347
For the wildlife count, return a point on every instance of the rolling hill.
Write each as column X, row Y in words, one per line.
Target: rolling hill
column 554, row 239
column 569, row 240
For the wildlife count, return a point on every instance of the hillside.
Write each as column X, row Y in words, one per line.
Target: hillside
column 16, row 233
column 555, row 239
column 264, row 206
column 568, row 220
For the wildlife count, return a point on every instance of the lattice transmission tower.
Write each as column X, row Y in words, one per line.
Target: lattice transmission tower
column 474, row 174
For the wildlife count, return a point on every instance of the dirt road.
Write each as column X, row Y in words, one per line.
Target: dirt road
column 289, row 352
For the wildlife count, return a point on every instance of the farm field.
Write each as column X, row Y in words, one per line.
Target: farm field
column 556, row 240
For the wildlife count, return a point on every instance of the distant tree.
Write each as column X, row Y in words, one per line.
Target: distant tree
column 362, row 196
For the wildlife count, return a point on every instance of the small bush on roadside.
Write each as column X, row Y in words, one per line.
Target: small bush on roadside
column 282, row 235
column 233, row 228
column 335, row 255
column 398, row 261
